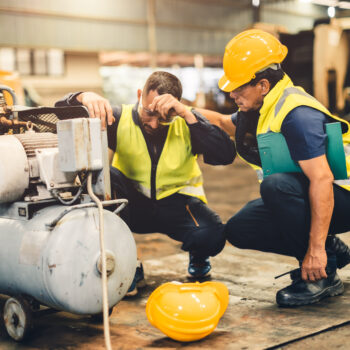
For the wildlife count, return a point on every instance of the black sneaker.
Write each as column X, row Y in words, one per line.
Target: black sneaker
column 305, row 293
column 199, row 267
column 340, row 249
column 138, row 281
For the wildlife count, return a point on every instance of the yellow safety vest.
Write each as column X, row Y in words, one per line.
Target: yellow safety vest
column 177, row 169
column 282, row 99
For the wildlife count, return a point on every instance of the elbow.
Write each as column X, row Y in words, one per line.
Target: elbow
column 230, row 158
column 219, row 160
column 59, row 104
column 233, row 153
column 325, row 179
column 328, row 179
column 327, row 176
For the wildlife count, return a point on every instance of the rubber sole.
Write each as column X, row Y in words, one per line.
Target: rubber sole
column 202, row 278
column 330, row 291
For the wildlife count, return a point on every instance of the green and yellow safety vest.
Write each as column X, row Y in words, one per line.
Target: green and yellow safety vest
column 177, row 170
column 282, row 99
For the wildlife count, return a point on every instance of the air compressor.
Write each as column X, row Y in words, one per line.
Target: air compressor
column 54, row 196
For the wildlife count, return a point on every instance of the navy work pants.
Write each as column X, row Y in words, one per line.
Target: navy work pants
column 279, row 221
column 183, row 218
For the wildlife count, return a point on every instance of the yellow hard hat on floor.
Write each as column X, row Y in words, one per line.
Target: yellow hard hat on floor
column 246, row 54
column 187, row 311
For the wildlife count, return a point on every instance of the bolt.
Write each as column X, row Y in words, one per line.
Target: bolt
column 110, row 264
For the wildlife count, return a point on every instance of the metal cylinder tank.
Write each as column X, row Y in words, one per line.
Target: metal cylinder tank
column 14, row 169
column 60, row 267
column 16, row 152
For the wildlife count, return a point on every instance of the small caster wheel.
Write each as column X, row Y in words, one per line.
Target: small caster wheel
column 17, row 318
column 98, row 318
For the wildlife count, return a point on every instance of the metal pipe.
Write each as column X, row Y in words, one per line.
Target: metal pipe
column 11, row 92
column 13, row 124
column 124, row 202
column 104, row 267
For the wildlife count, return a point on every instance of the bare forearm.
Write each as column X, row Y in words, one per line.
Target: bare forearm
column 321, row 204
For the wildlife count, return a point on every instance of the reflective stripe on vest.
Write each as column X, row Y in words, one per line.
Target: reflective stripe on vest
column 177, row 169
column 286, row 93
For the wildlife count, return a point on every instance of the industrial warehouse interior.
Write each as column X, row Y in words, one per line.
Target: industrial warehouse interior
column 174, row 174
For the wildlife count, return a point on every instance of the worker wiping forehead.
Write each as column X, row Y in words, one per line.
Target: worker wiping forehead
column 159, row 104
column 154, row 145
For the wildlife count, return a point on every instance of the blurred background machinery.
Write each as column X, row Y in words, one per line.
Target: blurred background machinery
column 111, row 47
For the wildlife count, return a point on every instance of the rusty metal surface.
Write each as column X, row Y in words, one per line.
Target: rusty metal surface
column 6, row 124
column 252, row 320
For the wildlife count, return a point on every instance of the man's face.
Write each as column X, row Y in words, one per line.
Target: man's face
column 150, row 120
column 248, row 97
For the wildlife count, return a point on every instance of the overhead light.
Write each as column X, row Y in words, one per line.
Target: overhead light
column 329, row 3
column 256, row 3
column 331, row 11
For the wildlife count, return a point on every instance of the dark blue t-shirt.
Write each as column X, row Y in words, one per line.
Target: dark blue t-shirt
column 304, row 131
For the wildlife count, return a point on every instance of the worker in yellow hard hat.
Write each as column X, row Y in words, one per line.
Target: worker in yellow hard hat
column 286, row 135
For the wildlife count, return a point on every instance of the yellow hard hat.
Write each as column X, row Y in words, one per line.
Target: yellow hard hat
column 187, row 311
column 246, row 54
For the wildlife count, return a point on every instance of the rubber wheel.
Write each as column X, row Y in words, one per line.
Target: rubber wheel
column 17, row 316
column 98, row 318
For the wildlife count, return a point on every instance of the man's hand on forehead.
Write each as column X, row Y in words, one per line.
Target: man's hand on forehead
column 167, row 105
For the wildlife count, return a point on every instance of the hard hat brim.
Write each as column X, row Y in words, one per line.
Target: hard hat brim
column 226, row 85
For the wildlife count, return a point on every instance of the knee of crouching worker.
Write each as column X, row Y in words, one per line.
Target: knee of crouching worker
column 212, row 240
column 233, row 232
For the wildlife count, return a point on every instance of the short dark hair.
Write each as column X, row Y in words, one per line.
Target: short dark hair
column 164, row 83
column 272, row 75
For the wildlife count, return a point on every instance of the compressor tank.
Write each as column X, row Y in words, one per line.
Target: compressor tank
column 60, row 266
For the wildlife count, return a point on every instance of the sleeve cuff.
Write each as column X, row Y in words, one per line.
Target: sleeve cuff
column 202, row 124
column 72, row 99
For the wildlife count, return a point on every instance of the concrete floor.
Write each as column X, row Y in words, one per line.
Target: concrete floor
column 252, row 320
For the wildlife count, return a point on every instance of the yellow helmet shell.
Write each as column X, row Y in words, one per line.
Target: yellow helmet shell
column 187, row 311
column 246, row 54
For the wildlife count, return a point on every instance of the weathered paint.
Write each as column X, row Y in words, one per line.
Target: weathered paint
column 14, row 169
column 58, row 267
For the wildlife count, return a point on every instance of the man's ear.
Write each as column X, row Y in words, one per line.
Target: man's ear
column 265, row 86
column 139, row 93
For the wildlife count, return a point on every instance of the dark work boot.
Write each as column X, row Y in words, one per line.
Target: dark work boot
column 305, row 293
column 199, row 267
column 340, row 249
column 138, row 281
